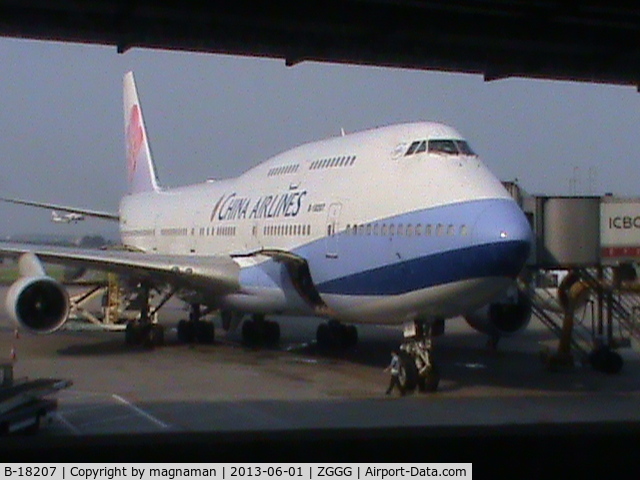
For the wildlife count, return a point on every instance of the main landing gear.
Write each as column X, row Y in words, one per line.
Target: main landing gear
column 257, row 331
column 416, row 356
column 334, row 335
column 195, row 329
column 145, row 331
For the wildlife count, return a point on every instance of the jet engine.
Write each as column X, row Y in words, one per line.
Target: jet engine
column 504, row 317
column 37, row 302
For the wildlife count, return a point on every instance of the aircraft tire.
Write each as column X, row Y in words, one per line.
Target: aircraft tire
column 249, row 334
column 153, row 336
column 185, row 331
column 133, row 334
column 323, row 336
column 428, row 383
column 350, row 336
column 205, row 332
column 272, row 333
column 613, row 363
column 605, row 360
column 408, row 372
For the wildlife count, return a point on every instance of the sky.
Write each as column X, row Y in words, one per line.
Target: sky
column 214, row 116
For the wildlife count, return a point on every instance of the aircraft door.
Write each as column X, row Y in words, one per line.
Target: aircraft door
column 253, row 241
column 333, row 227
column 193, row 233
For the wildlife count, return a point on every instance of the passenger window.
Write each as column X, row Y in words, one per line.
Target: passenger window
column 369, row 229
column 392, row 229
column 384, row 229
column 400, row 229
column 376, row 229
column 419, row 229
column 451, row 230
column 409, row 230
column 464, row 231
column 440, row 230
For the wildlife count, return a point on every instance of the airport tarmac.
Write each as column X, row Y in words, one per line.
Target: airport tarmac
column 228, row 387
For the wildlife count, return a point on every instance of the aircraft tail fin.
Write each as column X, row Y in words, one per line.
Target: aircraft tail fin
column 140, row 168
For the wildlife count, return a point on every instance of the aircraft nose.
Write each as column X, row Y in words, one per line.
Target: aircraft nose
column 504, row 235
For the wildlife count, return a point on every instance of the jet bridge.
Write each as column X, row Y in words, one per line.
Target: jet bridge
column 582, row 275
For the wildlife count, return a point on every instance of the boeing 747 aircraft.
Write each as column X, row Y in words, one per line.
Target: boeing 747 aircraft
column 395, row 225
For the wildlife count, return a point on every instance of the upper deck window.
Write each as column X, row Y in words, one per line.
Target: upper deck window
column 450, row 147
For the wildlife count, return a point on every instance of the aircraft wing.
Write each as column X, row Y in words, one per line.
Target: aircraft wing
column 217, row 274
column 50, row 206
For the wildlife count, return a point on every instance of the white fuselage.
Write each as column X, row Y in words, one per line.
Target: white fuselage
column 388, row 236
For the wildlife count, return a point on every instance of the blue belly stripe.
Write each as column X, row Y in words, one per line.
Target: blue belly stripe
column 495, row 259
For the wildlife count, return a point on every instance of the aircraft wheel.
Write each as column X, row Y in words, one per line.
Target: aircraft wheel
column 249, row 334
column 323, row 336
column 605, row 360
column 133, row 333
column 429, row 381
column 185, row 331
column 350, row 336
column 154, row 336
column 272, row 333
column 613, row 363
column 205, row 332
column 408, row 372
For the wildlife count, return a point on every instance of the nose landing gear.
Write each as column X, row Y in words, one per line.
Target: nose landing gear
column 416, row 356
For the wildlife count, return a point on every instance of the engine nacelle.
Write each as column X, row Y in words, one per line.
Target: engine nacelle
column 40, row 304
column 504, row 317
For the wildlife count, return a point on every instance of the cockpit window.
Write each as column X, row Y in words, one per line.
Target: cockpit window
column 412, row 148
column 443, row 146
column 464, row 148
column 450, row 147
column 422, row 147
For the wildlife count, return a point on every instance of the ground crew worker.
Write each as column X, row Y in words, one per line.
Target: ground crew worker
column 394, row 368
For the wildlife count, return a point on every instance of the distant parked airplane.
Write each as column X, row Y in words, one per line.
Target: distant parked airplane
column 66, row 218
